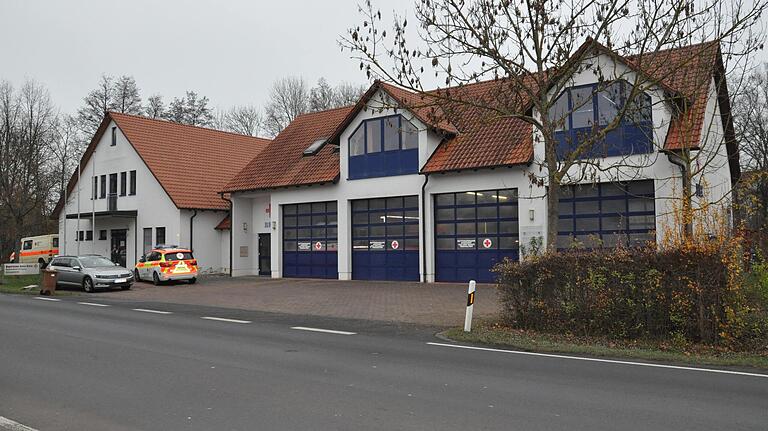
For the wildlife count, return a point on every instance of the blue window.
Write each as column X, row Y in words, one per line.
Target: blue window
column 606, row 215
column 310, row 244
column 584, row 110
column 383, row 147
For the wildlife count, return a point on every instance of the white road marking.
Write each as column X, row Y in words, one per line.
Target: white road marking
column 221, row 319
column 144, row 310
column 608, row 361
column 93, row 304
column 9, row 425
column 46, row 299
column 327, row 331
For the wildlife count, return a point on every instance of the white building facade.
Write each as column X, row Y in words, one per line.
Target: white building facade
column 393, row 207
column 126, row 199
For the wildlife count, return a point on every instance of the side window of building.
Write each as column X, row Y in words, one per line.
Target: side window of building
column 147, row 239
column 103, row 234
column 89, row 235
column 385, row 146
column 113, row 184
column 103, row 189
column 159, row 235
column 81, row 236
column 114, row 137
column 132, row 189
column 123, row 183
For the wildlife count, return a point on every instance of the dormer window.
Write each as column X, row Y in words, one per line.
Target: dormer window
column 385, row 146
column 583, row 110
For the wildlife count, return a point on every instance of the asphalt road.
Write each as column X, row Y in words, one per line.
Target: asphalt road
column 65, row 365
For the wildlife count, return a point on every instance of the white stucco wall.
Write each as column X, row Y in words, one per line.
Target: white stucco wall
column 153, row 205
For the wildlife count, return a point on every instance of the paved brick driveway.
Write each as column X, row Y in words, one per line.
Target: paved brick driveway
column 439, row 304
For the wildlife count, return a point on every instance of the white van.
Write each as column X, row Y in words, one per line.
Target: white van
column 40, row 249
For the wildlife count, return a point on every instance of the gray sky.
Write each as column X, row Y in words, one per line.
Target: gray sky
column 230, row 51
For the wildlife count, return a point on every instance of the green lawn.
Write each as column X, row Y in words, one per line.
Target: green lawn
column 499, row 335
column 15, row 284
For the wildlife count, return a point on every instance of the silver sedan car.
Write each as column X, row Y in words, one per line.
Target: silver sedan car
column 90, row 272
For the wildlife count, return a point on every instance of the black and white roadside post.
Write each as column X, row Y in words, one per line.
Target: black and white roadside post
column 470, row 306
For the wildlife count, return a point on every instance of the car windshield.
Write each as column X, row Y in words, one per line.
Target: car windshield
column 95, row 262
column 180, row 255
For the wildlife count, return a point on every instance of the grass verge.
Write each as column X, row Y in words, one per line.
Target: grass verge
column 500, row 335
column 15, row 284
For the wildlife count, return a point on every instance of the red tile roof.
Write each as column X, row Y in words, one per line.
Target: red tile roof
column 477, row 130
column 192, row 164
column 283, row 164
column 224, row 224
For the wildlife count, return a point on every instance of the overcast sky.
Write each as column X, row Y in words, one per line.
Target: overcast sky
column 230, row 51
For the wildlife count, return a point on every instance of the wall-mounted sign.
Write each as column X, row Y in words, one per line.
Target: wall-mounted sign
column 395, row 245
column 464, row 244
column 377, row 245
column 304, row 246
column 487, row 243
column 243, row 251
column 318, row 245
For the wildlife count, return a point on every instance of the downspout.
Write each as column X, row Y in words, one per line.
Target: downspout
column 231, row 226
column 192, row 230
column 679, row 162
column 424, row 228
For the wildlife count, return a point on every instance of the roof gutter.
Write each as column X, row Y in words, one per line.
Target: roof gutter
column 231, row 226
column 192, row 230
column 675, row 159
column 424, row 229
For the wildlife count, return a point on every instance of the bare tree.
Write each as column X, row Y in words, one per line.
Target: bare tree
column 127, row 99
column 27, row 125
column 528, row 49
column 155, row 107
column 245, row 120
column 288, row 99
column 96, row 104
column 190, row 109
column 67, row 146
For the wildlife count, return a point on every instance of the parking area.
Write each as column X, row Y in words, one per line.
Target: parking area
column 440, row 304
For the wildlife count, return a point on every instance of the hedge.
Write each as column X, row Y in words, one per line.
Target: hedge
column 693, row 295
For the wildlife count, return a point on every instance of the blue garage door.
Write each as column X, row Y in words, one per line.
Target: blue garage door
column 474, row 231
column 606, row 215
column 385, row 239
column 310, row 245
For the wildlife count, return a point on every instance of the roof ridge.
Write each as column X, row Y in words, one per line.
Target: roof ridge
column 160, row 120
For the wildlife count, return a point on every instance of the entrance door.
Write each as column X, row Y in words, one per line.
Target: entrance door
column 265, row 260
column 118, row 246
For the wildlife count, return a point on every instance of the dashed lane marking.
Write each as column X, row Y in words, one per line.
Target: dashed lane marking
column 327, row 331
column 43, row 298
column 607, row 361
column 145, row 310
column 221, row 319
column 93, row 304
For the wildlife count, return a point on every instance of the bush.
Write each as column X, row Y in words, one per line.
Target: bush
column 683, row 295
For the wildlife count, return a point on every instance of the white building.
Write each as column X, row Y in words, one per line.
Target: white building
column 392, row 190
column 144, row 182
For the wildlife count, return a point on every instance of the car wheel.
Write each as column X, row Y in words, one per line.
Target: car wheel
column 88, row 285
column 155, row 279
column 136, row 275
column 193, row 280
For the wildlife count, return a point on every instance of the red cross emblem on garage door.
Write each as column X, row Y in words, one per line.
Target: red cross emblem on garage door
column 487, row 243
column 395, row 245
column 318, row 245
